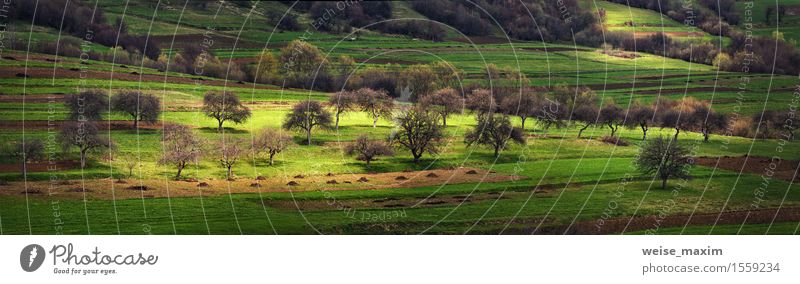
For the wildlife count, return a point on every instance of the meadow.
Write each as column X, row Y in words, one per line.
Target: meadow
column 558, row 183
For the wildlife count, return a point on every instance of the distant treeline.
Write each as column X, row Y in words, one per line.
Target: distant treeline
column 746, row 53
column 83, row 21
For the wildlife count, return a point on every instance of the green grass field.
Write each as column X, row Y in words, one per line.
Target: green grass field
column 564, row 182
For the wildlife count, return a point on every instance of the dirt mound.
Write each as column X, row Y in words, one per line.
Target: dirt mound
column 784, row 169
column 333, row 181
column 400, row 178
column 255, row 184
column 261, row 178
column 329, row 175
column 178, row 188
column 78, row 189
column 31, row 191
column 190, row 180
column 432, row 175
column 299, row 176
column 138, row 187
column 472, row 172
column 120, row 181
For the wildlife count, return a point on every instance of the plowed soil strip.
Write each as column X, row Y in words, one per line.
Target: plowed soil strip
column 155, row 188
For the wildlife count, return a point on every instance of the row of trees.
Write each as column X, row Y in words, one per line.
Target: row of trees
column 83, row 21
column 418, row 128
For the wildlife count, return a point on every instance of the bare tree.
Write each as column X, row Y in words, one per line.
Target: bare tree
column 224, row 106
column 551, row 113
column 481, row 101
column 376, row 103
column 494, row 131
column 641, row 116
column 524, row 106
column 367, row 150
column 612, row 115
column 181, row 147
column 707, row 121
column 418, row 131
column 140, row 106
column 342, row 102
column 87, row 105
column 129, row 161
column 28, row 150
column 420, row 78
column 272, row 142
column 588, row 115
column 664, row 159
column 445, row 102
column 230, row 150
column 83, row 135
column 307, row 115
column 677, row 119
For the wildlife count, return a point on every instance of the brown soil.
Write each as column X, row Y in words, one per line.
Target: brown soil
column 220, row 41
column 43, row 124
column 160, row 187
column 121, row 74
column 39, row 166
column 685, row 90
column 33, row 98
column 785, row 169
column 614, row 86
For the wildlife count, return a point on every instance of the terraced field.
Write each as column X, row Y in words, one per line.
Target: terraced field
column 554, row 183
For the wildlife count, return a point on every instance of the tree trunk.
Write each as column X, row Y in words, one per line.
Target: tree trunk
column 613, row 130
column 270, row 158
column 375, row 122
column 523, row 123
column 663, row 183
column 580, row 132
column 180, row 169
column 677, row 131
column 308, row 136
column 644, row 132
column 416, row 158
column 230, row 172
column 444, row 120
column 83, row 158
column 705, row 135
column 135, row 122
column 337, row 122
column 219, row 129
column 496, row 151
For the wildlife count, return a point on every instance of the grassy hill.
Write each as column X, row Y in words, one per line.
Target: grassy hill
column 551, row 182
